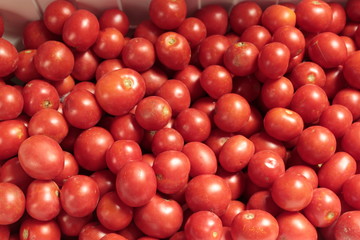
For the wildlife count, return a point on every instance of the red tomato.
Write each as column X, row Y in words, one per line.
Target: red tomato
column 262, row 141
column 109, row 43
column 203, row 225
column 113, row 236
column 349, row 98
column 233, row 209
column 292, row 225
column 71, row 168
column 125, row 127
column 167, row 139
column 138, row 54
column 115, row 18
column 173, row 50
column 119, row 91
column 347, row 226
column 159, row 218
column 12, row 134
column 337, row 118
column 306, row 171
column 216, row 81
column 215, row 192
column 56, row 13
column 71, row 226
column 292, row 37
column 26, row 70
column 291, row 191
column 307, row 73
column 35, row 229
column 254, row 224
column 243, row 15
column 85, row 65
column 276, row 16
column 277, row 93
column 262, row 200
column 313, row 16
column 352, row 7
column 257, row 35
column 12, row 172
column 12, row 203
column 93, row 231
column 106, row 66
column 79, row 195
column 11, row 102
column 212, row 50
column 351, row 70
column 194, row 30
column 147, row 29
column 167, row 14
column 338, row 21
column 350, row 191
column 8, row 57
column 215, row 18
column 273, row 60
column 241, row 58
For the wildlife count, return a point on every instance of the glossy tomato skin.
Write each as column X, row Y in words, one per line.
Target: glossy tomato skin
column 276, row 16
column 80, row 30
column 112, row 213
column 262, row 141
column 12, row 172
column 348, row 97
column 35, row 229
column 114, row 18
column 244, row 15
column 292, row 37
column 327, row 49
column 147, row 29
column 351, row 71
column 307, row 73
column 190, row 121
column 56, row 13
column 351, row 8
column 41, row 157
column 153, row 113
column 309, row 101
column 12, row 134
column 283, row 124
column 136, row 183
column 236, row 153
column 173, row 50
column 154, row 78
column 215, row 18
column 71, row 168
column 91, row 146
column 79, row 195
column 337, row 119
column 85, row 65
column 35, row 33
column 12, row 203
column 233, row 209
column 194, row 30
column 119, row 91
column 39, row 94
column 26, row 70
column 49, row 56
column 42, row 200
column 324, row 208
column 292, row 225
column 167, row 139
column 93, row 231
column 262, row 200
column 159, row 218
column 347, row 225
column 215, row 191
column 48, row 122
column 138, row 54
column 313, row 16
column 273, row 60
column 241, row 58
column 126, row 127
column 71, row 226
column 338, row 21
column 203, row 225
column 8, row 57
column 106, row 66
column 216, row 80
column 277, row 93
column 254, row 224
column 109, row 43
column 212, row 50
column 291, row 192
column 232, row 111
column 168, row 14
column 350, row 191
column 307, row 171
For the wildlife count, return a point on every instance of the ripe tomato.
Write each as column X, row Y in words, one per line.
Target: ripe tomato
column 119, row 91
column 9, row 57
column 71, row 168
column 212, row 50
column 41, row 157
column 85, row 65
column 147, row 29
column 307, row 73
column 93, row 231
column 276, row 16
column 106, row 66
column 194, row 30
column 306, row 171
column 203, row 225
column 215, row 18
column 79, row 195
column 35, row 229
column 352, row 7
column 338, row 21
column 216, row 80
column 262, row 141
column 292, row 37
column 273, row 60
column 55, row 15
column 167, row 14
column 233, row 209
column 277, row 93
column 254, row 224
column 243, row 15
column 173, row 50
column 262, row 200
column 12, row 172
column 125, row 127
column 138, row 54
column 71, row 226
column 12, row 134
column 351, row 71
column 347, row 226
column 109, row 43
column 167, row 139
column 26, row 70
column 337, row 118
column 12, row 203
column 292, row 225
column 115, row 18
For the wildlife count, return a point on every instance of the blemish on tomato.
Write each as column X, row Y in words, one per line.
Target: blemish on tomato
column 128, row 83
column 46, row 104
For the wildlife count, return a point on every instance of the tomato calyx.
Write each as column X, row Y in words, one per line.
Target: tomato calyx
column 25, row 234
column 171, row 41
column 128, row 83
column 46, row 104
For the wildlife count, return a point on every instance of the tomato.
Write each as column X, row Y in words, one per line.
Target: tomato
column 71, row 226
column 12, row 172
column 254, row 224
column 292, row 225
column 119, row 91
column 71, row 168
column 172, row 169
column 5, row 232
column 1, row 26
column 313, row 16
column 235, row 180
column 351, row 71
column 292, row 37
column 167, row 139
column 85, row 65
column 203, row 225
column 306, row 171
column 12, row 134
column 337, row 118
column 193, row 125
column 159, row 218
column 276, row 16
column 194, row 30
column 56, row 13
column 291, row 191
column 262, row 141
column 253, row 124
column 273, row 60
column 64, row 86
column 262, row 200
column 216, row 81
column 244, row 15
column 153, row 113
column 309, row 101
column 79, row 195
column 26, row 70
column 283, row 124
column 347, row 226
column 215, row 18
column 39, row 94
column 106, row 66
column 202, row 158
column 277, row 93
column 125, row 127
column 12, row 203
column 173, row 50
column 350, row 191
column 11, row 102
column 138, row 54
column 176, row 93
column 168, row 14
column 249, row 87
column 41, row 157
column 241, row 58
column 212, row 50
column 112, row 213
column 215, row 192
column 232, row 111
column 105, row 180
column 35, row 229
column 93, row 231
column 352, row 7
column 338, row 21
column 42, row 200
column 307, row 73
column 147, row 29
column 115, row 18
column 136, row 183
column 81, row 30
column 233, row 209
column 236, row 153
column 257, row 35
column 109, row 43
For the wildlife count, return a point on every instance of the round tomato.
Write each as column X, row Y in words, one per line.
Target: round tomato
column 292, row 225
column 35, row 229
column 243, row 15
column 347, row 226
column 167, row 14
column 9, row 57
column 276, row 16
column 12, row 203
column 203, row 225
column 12, row 134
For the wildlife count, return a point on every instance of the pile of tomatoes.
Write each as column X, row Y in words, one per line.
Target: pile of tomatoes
column 226, row 125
